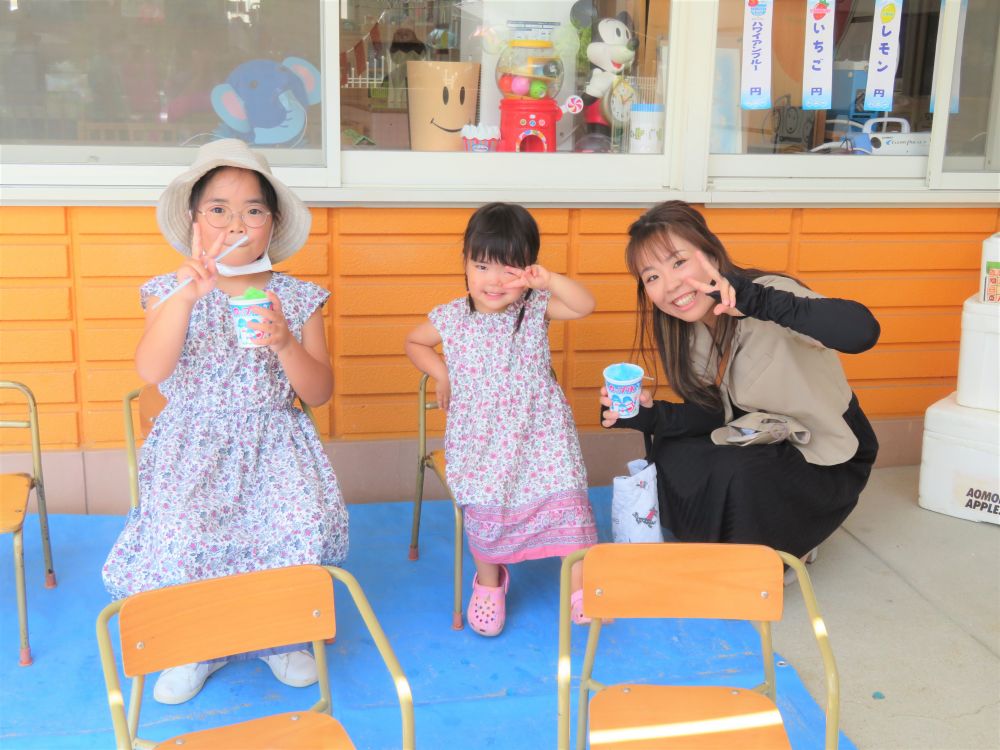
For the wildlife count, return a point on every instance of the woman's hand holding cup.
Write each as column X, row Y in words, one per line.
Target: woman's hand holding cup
column 609, row 417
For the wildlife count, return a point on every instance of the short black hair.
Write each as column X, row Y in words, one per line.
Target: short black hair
column 502, row 233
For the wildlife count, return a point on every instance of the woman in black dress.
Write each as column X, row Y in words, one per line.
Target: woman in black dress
column 733, row 342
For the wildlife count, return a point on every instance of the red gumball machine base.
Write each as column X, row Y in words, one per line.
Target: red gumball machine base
column 528, row 124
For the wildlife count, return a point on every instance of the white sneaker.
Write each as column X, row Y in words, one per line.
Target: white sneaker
column 295, row 668
column 808, row 558
column 180, row 684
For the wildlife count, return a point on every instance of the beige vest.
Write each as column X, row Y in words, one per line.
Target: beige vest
column 774, row 369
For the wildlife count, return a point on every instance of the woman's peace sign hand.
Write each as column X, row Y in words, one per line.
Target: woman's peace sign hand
column 716, row 283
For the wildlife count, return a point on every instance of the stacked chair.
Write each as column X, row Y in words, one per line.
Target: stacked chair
column 15, row 490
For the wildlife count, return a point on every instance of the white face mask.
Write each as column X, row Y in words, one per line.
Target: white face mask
column 263, row 263
column 258, row 266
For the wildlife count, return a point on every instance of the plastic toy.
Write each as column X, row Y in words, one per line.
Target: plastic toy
column 264, row 102
column 529, row 74
column 608, row 96
column 866, row 140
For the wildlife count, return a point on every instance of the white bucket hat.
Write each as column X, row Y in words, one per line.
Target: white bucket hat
column 173, row 212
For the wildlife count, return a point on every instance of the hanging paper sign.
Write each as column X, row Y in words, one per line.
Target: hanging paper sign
column 883, row 56
column 956, row 76
column 817, row 62
column 755, row 80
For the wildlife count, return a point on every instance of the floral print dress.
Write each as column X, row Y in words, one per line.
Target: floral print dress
column 233, row 477
column 511, row 448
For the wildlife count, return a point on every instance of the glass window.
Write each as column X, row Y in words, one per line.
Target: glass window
column 824, row 76
column 973, row 143
column 141, row 73
column 502, row 75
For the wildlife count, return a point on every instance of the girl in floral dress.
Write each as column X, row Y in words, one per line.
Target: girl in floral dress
column 233, row 477
column 511, row 448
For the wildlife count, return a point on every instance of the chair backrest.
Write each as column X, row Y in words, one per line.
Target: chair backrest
column 235, row 614
column 718, row 581
column 684, row 580
column 423, row 405
column 224, row 616
column 422, row 394
column 151, row 403
column 30, row 423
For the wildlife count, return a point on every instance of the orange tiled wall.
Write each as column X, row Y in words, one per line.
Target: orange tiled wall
column 70, row 317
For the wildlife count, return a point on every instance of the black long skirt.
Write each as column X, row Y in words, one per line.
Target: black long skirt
column 761, row 494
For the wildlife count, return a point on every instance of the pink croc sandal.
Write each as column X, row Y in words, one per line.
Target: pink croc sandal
column 576, row 608
column 487, row 607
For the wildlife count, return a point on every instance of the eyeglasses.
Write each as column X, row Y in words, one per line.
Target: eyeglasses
column 220, row 217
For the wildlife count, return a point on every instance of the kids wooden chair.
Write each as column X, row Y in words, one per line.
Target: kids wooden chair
column 435, row 460
column 720, row 581
column 224, row 616
column 151, row 403
column 15, row 490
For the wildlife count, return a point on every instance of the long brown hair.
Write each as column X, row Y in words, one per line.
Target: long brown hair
column 671, row 337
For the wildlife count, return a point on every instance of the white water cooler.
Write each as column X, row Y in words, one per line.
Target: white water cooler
column 960, row 462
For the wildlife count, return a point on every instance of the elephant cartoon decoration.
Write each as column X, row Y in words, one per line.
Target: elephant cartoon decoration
column 265, row 102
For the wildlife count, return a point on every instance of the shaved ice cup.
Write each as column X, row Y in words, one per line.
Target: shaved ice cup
column 624, row 383
column 239, row 308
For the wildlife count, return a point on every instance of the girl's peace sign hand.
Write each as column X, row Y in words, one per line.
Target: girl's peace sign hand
column 532, row 277
column 716, row 283
column 200, row 267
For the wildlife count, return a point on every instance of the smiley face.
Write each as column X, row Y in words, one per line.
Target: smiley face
column 455, row 113
column 442, row 99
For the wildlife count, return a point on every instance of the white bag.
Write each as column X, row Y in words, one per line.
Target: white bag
column 635, row 505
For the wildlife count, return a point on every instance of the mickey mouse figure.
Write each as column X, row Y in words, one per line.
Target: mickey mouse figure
column 611, row 52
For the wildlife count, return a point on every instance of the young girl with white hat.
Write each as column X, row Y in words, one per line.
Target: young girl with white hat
column 233, row 477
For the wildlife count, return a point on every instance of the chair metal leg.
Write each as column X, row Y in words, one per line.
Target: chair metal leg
column 418, row 499
column 586, row 683
column 767, row 652
column 43, row 522
column 135, row 703
column 22, row 599
column 456, row 615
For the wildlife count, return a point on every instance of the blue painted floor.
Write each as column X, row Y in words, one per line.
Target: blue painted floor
column 469, row 691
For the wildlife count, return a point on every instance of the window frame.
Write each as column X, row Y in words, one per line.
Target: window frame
column 685, row 170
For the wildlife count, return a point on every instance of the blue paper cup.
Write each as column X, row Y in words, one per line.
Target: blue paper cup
column 239, row 309
column 624, row 383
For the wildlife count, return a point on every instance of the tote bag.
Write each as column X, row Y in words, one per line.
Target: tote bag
column 635, row 505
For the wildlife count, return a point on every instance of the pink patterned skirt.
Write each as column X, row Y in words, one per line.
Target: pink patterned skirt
column 552, row 526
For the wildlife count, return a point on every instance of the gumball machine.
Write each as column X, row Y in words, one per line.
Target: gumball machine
column 529, row 75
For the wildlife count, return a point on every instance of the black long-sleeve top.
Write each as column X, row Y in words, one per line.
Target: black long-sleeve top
column 840, row 324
